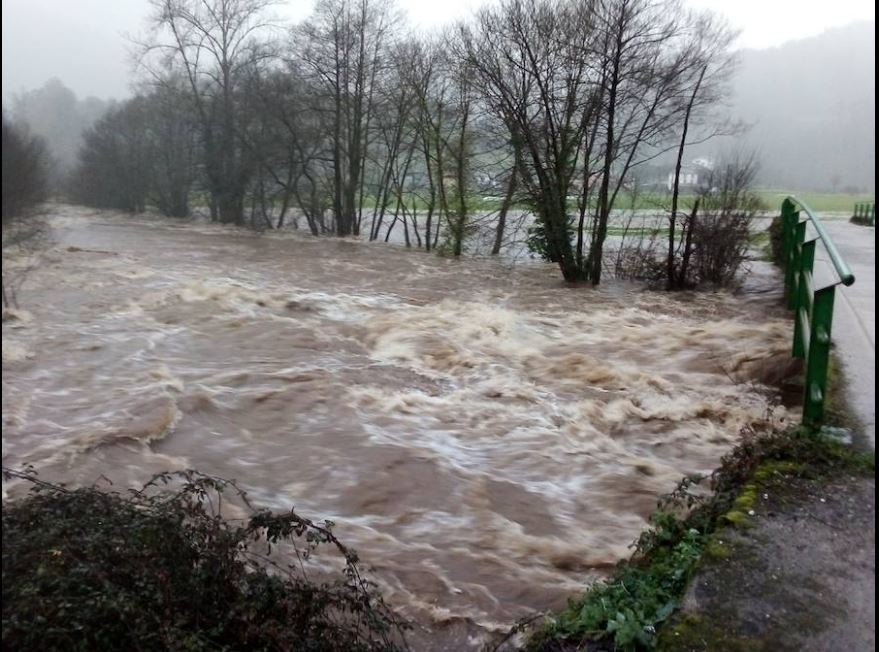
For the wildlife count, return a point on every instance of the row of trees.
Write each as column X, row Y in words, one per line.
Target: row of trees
column 348, row 124
column 25, row 184
column 141, row 152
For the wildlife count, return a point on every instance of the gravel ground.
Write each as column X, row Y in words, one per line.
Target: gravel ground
column 801, row 577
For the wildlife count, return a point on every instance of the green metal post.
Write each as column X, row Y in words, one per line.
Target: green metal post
column 803, row 300
column 799, row 236
column 787, row 208
column 819, row 357
column 792, row 256
column 813, row 310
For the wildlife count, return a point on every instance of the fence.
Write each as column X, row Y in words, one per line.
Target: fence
column 865, row 214
column 813, row 309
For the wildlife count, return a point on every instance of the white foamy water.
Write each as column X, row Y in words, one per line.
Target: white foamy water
column 488, row 438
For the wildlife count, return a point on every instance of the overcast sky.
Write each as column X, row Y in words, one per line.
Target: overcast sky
column 82, row 41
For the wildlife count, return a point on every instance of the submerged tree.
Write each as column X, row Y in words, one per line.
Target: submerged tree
column 528, row 60
column 588, row 91
column 550, row 104
column 342, row 47
column 172, row 131
column 216, row 45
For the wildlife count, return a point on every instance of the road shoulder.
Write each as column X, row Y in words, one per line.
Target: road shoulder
column 799, row 574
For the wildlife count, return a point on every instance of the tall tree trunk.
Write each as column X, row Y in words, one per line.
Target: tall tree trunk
column 338, row 174
column 688, row 245
column 596, row 252
column 502, row 216
column 431, row 202
column 670, row 261
column 461, row 182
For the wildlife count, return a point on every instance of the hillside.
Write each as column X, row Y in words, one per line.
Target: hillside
column 813, row 109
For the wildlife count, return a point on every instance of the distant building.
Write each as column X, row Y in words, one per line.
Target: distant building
column 693, row 176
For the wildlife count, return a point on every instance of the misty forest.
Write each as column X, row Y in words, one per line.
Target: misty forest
column 471, row 298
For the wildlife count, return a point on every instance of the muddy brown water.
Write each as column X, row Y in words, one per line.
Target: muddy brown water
column 488, row 439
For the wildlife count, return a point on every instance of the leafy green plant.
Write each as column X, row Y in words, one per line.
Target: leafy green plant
column 161, row 569
column 629, row 607
column 536, row 240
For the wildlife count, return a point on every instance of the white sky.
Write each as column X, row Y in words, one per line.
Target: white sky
column 81, row 41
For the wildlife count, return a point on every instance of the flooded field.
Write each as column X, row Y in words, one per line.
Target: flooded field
column 487, row 438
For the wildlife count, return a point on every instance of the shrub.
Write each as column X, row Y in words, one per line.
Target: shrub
column 721, row 235
column 776, row 241
column 641, row 261
column 720, row 246
column 160, row 569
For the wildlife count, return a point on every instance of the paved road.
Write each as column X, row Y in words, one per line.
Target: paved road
column 854, row 318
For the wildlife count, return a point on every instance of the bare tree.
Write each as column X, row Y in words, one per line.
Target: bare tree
column 343, row 47
column 547, row 103
column 506, row 204
column 528, row 60
column 638, row 68
column 706, row 64
column 291, row 146
column 214, row 42
column 391, row 156
column 451, row 134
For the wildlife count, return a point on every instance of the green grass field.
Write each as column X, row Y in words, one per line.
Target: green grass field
column 830, row 202
column 821, row 202
column 772, row 198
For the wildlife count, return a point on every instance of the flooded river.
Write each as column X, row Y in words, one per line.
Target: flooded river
column 487, row 438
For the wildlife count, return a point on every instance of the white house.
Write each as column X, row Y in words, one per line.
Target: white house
column 693, row 175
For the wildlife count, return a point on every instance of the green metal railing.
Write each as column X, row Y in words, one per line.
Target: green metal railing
column 813, row 309
column 865, row 213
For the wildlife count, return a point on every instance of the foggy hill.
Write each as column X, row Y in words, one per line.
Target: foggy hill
column 812, row 104
column 56, row 114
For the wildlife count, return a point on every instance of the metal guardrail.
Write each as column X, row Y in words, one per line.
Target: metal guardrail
column 813, row 309
column 865, row 213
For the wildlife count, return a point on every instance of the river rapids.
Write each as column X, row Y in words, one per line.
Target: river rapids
column 486, row 437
